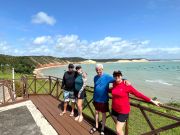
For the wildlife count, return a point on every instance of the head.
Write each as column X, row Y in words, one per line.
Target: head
column 99, row 69
column 70, row 67
column 117, row 76
column 79, row 69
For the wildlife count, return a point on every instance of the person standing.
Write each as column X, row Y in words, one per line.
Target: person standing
column 68, row 86
column 80, row 93
column 120, row 101
column 100, row 97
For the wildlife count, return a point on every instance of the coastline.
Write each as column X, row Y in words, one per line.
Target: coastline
column 38, row 73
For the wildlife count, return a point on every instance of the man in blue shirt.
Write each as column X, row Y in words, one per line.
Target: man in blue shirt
column 101, row 97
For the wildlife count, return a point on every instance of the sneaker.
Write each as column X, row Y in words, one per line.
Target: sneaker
column 80, row 118
column 72, row 114
column 77, row 118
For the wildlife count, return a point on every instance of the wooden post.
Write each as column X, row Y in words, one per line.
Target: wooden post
column 35, row 84
column 126, row 128
column 57, row 88
column 13, row 79
column 4, row 99
column 50, row 84
column 25, row 85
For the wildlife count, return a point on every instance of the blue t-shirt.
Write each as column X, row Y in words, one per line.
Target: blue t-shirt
column 101, row 87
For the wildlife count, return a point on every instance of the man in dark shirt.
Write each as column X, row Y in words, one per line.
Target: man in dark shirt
column 68, row 85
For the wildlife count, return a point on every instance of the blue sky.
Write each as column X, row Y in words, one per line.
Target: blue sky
column 91, row 28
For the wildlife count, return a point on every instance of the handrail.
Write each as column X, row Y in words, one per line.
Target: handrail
column 57, row 93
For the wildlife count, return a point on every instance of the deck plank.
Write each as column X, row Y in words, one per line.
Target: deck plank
column 84, row 125
column 69, row 123
column 59, row 129
column 66, row 125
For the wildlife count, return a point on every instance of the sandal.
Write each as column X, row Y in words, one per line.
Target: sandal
column 80, row 119
column 102, row 132
column 62, row 113
column 93, row 130
column 72, row 114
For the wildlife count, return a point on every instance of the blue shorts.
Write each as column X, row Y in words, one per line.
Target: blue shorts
column 68, row 95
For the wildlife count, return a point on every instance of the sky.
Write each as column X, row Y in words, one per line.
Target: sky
column 91, row 28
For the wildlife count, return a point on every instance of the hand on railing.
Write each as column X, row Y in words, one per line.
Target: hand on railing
column 157, row 103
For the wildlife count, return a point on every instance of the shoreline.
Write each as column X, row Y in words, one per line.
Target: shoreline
column 38, row 73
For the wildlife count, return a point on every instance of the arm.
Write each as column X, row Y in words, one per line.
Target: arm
column 138, row 94
column 63, row 82
column 133, row 91
column 84, row 78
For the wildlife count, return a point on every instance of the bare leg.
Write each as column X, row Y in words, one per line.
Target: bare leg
column 80, row 101
column 119, row 128
column 72, row 106
column 97, row 118
column 103, row 120
column 65, row 107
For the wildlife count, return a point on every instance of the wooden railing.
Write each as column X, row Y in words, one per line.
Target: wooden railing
column 146, row 111
column 6, row 92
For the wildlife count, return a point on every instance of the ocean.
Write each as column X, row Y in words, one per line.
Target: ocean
column 155, row 79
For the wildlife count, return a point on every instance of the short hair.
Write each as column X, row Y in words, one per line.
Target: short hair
column 117, row 73
column 78, row 67
column 99, row 66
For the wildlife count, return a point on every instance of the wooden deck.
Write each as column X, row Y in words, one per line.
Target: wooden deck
column 64, row 125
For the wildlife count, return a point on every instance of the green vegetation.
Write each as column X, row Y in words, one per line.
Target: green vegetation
column 27, row 64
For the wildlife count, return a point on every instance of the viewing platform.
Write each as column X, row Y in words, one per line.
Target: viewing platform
column 46, row 94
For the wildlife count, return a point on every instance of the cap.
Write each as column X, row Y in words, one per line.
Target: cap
column 70, row 66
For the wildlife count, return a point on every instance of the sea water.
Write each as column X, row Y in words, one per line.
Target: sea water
column 154, row 79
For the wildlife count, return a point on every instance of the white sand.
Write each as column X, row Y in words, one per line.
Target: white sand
column 88, row 62
column 41, row 122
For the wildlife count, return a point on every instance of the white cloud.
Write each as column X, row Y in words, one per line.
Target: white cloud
column 109, row 47
column 40, row 50
column 42, row 17
column 42, row 40
column 4, row 47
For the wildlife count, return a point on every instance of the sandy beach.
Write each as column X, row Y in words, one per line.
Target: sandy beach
column 38, row 73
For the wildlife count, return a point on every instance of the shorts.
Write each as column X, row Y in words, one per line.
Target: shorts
column 101, row 107
column 120, row 117
column 82, row 95
column 68, row 95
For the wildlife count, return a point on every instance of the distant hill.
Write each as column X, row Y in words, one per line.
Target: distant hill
column 115, row 60
column 26, row 64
